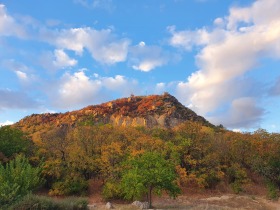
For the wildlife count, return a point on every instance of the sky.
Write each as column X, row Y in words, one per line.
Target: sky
column 220, row 58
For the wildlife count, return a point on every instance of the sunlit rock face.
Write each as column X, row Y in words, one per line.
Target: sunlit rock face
column 163, row 111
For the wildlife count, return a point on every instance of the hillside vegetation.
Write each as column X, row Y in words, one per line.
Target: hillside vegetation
column 135, row 162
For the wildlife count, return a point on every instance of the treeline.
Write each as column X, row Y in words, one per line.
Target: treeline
column 190, row 156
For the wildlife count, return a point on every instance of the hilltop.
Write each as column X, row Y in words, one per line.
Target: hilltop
column 163, row 111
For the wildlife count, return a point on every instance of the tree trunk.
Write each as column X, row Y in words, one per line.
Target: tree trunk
column 150, row 197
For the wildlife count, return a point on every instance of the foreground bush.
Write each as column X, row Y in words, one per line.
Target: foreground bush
column 18, row 178
column 71, row 185
column 35, row 202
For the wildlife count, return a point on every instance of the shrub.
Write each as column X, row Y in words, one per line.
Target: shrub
column 36, row 202
column 112, row 190
column 17, row 179
column 237, row 177
column 272, row 191
column 71, row 185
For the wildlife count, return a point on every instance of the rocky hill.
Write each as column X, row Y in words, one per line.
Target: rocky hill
column 150, row 111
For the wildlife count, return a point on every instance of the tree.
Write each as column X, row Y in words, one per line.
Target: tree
column 147, row 173
column 13, row 141
column 17, row 179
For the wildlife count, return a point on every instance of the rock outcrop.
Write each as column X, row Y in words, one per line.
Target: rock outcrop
column 163, row 111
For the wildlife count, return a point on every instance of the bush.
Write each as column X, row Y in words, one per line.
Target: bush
column 36, row 202
column 237, row 177
column 272, row 191
column 71, row 185
column 112, row 190
column 17, row 179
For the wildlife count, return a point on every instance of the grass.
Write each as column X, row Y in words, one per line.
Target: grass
column 36, row 202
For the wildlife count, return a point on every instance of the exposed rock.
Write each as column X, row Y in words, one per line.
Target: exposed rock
column 141, row 205
column 109, row 206
column 136, row 203
column 163, row 111
column 144, row 205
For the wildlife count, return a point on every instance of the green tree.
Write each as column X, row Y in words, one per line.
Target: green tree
column 17, row 179
column 13, row 141
column 147, row 173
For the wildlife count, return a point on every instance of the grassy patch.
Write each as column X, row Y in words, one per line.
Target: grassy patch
column 35, row 202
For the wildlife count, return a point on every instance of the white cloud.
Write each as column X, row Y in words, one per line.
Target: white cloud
column 56, row 60
column 119, row 82
column 236, row 130
column 229, row 50
column 62, row 59
column 146, row 58
column 23, row 72
column 160, row 88
column 6, row 123
column 102, row 44
column 187, row 39
column 8, row 26
column 48, row 111
column 21, row 75
column 78, row 90
column 75, row 90
column 142, row 44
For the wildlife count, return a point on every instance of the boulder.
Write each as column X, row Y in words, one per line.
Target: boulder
column 109, row 206
column 141, row 205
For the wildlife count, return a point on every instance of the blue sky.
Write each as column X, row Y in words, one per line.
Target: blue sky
column 220, row 58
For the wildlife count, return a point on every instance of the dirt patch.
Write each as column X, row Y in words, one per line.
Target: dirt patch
column 193, row 200
column 225, row 202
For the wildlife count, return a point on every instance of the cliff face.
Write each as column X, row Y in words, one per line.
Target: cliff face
column 149, row 111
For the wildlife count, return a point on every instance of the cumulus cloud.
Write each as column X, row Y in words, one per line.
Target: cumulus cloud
column 7, row 122
column 120, row 84
column 160, row 87
column 75, row 90
column 229, row 50
column 103, row 45
column 58, row 59
column 16, row 100
column 62, row 59
column 146, row 58
column 79, row 89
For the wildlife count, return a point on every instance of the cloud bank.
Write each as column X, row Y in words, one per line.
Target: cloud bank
column 227, row 52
